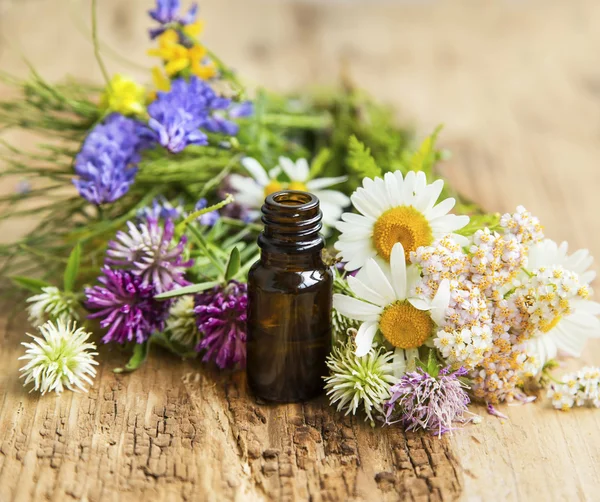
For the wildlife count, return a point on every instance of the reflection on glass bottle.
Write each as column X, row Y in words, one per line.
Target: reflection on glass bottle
column 289, row 302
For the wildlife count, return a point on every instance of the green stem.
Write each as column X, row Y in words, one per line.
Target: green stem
column 97, row 44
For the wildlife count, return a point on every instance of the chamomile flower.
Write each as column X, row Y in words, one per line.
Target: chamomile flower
column 60, row 358
column 251, row 192
column 395, row 209
column 383, row 303
column 332, row 202
column 566, row 318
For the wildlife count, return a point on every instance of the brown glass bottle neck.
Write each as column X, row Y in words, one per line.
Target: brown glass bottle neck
column 292, row 222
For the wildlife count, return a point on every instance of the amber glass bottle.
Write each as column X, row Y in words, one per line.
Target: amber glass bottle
column 289, row 302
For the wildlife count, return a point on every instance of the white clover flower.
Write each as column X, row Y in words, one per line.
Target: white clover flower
column 61, row 357
column 52, row 304
column 359, row 381
column 181, row 323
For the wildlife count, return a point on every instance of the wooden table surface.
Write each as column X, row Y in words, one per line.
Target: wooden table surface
column 517, row 85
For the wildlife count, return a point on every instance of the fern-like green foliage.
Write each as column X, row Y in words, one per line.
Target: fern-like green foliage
column 360, row 161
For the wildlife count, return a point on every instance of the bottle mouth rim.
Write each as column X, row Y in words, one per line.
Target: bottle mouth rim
column 294, row 200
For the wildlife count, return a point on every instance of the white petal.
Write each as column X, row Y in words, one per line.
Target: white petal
column 320, row 183
column 356, row 309
column 440, row 302
column 428, row 196
column 420, row 303
column 256, row 170
column 441, row 209
column 364, row 338
column 365, row 292
column 374, row 277
column 398, row 271
column 333, row 197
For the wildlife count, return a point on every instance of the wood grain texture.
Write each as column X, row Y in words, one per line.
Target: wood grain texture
column 517, row 85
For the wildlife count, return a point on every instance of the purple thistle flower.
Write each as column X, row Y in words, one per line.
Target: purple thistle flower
column 429, row 403
column 105, row 163
column 177, row 116
column 150, row 252
column 167, row 12
column 221, row 318
column 126, row 307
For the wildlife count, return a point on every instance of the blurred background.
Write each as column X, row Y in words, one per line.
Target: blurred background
column 515, row 82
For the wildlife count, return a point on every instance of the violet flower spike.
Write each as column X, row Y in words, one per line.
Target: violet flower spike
column 167, row 12
column 221, row 317
column 126, row 307
column 425, row 402
column 150, row 252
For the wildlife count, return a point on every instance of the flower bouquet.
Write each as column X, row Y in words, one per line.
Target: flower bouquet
column 147, row 201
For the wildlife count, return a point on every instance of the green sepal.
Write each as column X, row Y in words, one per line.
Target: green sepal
column 72, row 268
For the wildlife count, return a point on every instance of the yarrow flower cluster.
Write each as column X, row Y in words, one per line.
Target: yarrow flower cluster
column 421, row 401
column 578, row 389
column 126, row 307
column 150, row 251
column 221, row 316
column 59, row 357
column 106, row 163
column 356, row 381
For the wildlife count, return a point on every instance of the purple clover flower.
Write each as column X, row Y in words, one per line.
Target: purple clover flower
column 126, row 307
column 167, row 12
column 429, row 403
column 221, row 317
column 105, row 163
column 150, row 252
column 177, row 116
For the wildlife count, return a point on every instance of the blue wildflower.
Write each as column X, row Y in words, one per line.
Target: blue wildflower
column 178, row 116
column 162, row 209
column 105, row 164
column 208, row 219
column 167, row 12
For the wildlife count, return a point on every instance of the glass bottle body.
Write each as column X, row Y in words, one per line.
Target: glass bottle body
column 289, row 319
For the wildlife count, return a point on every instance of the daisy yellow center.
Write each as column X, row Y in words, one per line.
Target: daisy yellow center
column 552, row 324
column 272, row 187
column 404, row 326
column 403, row 224
column 297, row 185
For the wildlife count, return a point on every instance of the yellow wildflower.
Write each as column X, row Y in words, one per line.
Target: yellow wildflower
column 161, row 83
column 194, row 30
column 177, row 57
column 124, row 95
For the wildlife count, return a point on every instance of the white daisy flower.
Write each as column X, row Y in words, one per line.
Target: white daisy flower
column 383, row 303
column 395, row 209
column 565, row 333
column 60, row 358
column 251, row 192
column 332, row 201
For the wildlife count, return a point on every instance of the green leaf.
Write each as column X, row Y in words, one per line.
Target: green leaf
column 187, row 290
column 319, row 162
column 479, row 222
column 360, row 160
column 233, row 264
column 426, row 155
column 72, row 268
column 33, row 285
column 139, row 356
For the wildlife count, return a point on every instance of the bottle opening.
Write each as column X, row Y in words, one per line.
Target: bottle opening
column 293, row 199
